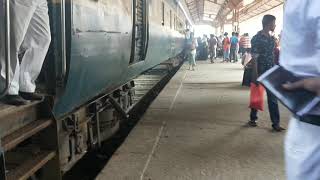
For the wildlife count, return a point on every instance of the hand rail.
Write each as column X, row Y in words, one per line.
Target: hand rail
column 63, row 40
column 7, row 47
column 146, row 29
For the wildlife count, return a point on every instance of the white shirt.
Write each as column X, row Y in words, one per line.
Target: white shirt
column 300, row 54
column 300, row 40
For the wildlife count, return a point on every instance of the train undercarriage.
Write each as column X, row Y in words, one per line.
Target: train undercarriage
column 35, row 145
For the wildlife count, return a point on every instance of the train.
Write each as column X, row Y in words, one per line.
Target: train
column 98, row 47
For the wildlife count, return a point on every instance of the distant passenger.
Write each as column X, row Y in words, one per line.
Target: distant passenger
column 234, row 46
column 205, row 47
column 238, row 46
column 188, row 34
column 30, row 31
column 192, row 54
column 220, row 46
column 300, row 54
column 226, row 47
column 263, row 45
column 245, row 43
column 241, row 49
column 187, row 42
column 213, row 48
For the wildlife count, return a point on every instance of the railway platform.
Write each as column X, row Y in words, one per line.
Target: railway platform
column 196, row 130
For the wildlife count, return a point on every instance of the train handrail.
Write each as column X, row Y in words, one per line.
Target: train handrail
column 147, row 29
column 63, row 40
column 7, row 48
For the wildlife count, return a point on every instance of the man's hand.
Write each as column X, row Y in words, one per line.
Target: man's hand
column 311, row 84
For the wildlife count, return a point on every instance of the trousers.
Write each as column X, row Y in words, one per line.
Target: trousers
column 192, row 57
column 233, row 54
column 213, row 52
column 302, row 151
column 226, row 53
column 30, row 35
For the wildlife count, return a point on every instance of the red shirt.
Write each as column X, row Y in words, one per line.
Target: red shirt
column 226, row 43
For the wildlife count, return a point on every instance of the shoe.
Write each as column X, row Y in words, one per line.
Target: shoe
column 277, row 128
column 31, row 96
column 15, row 100
column 252, row 124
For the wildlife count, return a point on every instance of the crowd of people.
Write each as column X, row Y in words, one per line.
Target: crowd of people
column 202, row 48
column 229, row 49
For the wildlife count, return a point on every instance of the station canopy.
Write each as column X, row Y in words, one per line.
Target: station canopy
column 214, row 12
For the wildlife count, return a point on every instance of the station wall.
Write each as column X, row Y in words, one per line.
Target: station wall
column 253, row 25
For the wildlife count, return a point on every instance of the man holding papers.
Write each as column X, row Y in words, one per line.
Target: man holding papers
column 301, row 55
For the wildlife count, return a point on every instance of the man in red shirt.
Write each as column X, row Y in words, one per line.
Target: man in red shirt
column 226, row 47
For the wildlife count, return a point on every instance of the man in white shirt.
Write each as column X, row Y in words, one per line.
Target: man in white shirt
column 302, row 56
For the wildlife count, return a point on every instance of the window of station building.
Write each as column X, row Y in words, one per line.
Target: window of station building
column 162, row 13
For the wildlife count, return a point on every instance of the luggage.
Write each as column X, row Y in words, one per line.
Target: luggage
column 256, row 97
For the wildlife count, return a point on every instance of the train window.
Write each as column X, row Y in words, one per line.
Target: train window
column 162, row 9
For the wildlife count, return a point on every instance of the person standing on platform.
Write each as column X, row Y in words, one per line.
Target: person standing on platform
column 220, row 46
column 192, row 53
column 233, row 49
column 302, row 57
column 262, row 49
column 238, row 46
column 245, row 43
column 30, row 31
column 226, row 47
column 187, row 34
column 213, row 47
column 205, row 47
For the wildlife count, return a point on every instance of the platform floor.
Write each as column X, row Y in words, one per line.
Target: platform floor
column 196, row 130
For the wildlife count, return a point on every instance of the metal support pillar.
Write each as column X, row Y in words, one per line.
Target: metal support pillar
column 235, row 20
column 222, row 28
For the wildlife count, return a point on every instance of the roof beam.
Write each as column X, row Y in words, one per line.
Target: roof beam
column 214, row 2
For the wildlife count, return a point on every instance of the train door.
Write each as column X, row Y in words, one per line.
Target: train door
column 140, row 31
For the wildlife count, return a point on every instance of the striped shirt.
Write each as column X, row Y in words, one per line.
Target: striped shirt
column 245, row 42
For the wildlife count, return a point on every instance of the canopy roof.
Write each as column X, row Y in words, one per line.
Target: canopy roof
column 216, row 11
